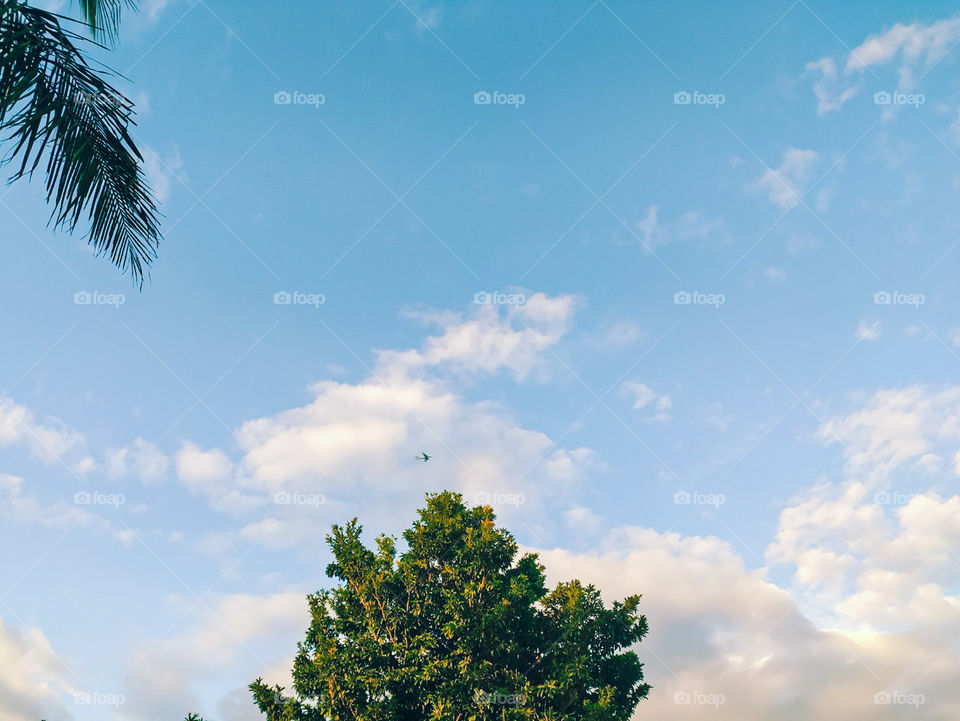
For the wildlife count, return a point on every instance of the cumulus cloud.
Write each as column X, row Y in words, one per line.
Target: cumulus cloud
column 731, row 642
column 140, row 459
column 355, row 440
column 48, row 440
column 783, row 184
column 490, row 341
column 32, row 677
column 895, row 428
column 196, row 466
column 228, row 641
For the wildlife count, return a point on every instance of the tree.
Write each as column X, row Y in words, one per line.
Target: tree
column 58, row 109
column 457, row 627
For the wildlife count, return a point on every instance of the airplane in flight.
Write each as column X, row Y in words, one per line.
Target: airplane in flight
column 424, row 457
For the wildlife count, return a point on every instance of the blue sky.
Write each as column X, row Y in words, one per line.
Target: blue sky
column 773, row 464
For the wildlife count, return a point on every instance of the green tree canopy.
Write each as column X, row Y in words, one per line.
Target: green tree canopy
column 457, row 626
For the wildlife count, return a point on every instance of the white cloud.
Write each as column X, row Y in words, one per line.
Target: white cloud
column 688, row 226
column 49, row 441
column 355, row 440
column 783, row 185
column 196, row 466
column 489, row 341
column 895, row 427
column 644, row 396
column 912, row 44
column 615, row 336
column 32, row 677
column 141, row 459
column 160, row 171
column 830, row 95
column 908, row 46
column 717, row 627
column 867, row 331
column 231, row 640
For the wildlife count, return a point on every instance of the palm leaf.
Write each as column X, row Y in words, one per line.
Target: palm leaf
column 55, row 107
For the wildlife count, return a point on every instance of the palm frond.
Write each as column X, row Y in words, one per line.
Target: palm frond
column 103, row 16
column 54, row 105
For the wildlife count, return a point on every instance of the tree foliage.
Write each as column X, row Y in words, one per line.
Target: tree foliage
column 58, row 110
column 457, row 626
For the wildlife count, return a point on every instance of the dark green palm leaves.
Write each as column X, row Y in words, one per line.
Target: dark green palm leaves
column 59, row 112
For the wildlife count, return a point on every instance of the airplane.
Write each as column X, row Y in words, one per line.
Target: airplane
column 424, row 457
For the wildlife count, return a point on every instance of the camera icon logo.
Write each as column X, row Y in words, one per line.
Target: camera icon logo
column 481, row 97
column 282, row 298
column 82, row 298
column 482, row 298
column 681, row 698
column 681, row 498
column 882, row 698
column 282, row 98
column 681, row 98
column 81, row 498
column 882, row 98
column 882, row 298
column 282, row 498
column 682, row 297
